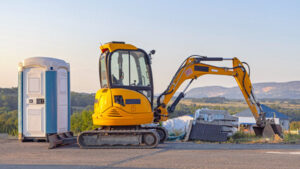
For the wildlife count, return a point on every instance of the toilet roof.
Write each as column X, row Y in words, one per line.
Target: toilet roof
column 47, row 62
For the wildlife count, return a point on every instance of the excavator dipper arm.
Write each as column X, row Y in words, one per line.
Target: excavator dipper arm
column 191, row 69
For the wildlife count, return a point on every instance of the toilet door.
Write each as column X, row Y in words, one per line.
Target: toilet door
column 34, row 102
column 62, row 100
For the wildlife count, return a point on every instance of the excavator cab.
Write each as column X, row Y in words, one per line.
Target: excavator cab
column 128, row 69
column 126, row 93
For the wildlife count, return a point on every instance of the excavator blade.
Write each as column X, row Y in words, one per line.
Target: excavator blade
column 268, row 131
column 61, row 139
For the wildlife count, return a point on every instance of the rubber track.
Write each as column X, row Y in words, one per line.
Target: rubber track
column 160, row 127
column 141, row 146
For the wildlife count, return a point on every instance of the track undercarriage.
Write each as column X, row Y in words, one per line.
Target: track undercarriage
column 122, row 137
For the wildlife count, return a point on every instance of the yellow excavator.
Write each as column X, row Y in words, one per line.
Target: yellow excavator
column 124, row 105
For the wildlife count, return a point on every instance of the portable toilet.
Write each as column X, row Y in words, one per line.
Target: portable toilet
column 44, row 98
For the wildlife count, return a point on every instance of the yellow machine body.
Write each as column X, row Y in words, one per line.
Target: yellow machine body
column 109, row 113
column 111, row 47
column 123, row 105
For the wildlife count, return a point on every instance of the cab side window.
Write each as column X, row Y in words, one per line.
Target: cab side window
column 120, row 68
column 103, row 71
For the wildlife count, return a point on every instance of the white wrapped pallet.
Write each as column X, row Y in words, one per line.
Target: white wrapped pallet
column 178, row 124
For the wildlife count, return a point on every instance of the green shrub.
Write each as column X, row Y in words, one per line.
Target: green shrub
column 9, row 122
column 82, row 121
column 291, row 138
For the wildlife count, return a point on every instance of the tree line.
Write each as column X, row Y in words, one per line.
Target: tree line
column 82, row 110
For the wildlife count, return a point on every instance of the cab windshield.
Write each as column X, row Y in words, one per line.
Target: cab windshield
column 129, row 68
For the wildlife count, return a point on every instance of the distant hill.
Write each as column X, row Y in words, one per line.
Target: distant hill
column 273, row 90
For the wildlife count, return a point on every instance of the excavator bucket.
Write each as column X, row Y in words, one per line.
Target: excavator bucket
column 268, row 131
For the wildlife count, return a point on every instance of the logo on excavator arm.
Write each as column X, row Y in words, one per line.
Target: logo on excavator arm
column 188, row 72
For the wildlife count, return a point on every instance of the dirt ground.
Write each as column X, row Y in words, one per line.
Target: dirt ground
column 31, row 155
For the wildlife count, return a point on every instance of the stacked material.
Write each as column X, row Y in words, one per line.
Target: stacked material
column 207, row 132
column 212, row 125
column 207, row 125
column 221, row 118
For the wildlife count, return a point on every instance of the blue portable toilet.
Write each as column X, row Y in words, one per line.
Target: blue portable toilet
column 44, row 98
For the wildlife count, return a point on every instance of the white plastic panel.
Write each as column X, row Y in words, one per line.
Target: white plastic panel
column 62, row 119
column 33, row 113
column 62, row 100
column 34, row 84
column 35, row 121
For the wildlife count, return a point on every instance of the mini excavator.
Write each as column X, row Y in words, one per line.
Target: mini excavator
column 124, row 105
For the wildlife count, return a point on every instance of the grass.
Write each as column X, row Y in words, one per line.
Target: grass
column 241, row 137
column 291, row 138
column 237, row 138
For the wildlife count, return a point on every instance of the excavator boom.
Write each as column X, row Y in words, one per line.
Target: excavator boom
column 192, row 68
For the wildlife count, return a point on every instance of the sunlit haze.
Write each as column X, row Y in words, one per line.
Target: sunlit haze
column 263, row 33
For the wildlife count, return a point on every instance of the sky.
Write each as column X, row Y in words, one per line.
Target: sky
column 263, row 33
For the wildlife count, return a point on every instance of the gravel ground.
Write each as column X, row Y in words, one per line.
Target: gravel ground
column 14, row 155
